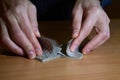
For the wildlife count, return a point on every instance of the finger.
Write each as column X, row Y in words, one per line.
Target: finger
column 77, row 20
column 32, row 14
column 87, row 26
column 103, row 35
column 19, row 37
column 7, row 42
column 28, row 31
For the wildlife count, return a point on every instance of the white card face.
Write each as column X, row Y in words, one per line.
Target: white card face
column 76, row 54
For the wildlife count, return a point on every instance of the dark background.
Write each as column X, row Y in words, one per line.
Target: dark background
column 62, row 9
column 113, row 10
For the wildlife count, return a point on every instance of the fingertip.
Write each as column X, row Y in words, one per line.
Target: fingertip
column 74, row 35
column 36, row 32
column 21, row 52
column 86, row 50
column 73, row 47
column 38, row 51
column 31, row 54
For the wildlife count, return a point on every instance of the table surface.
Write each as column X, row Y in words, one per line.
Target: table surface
column 101, row 64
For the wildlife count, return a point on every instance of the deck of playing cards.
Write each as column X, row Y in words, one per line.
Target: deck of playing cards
column 51, row 50
column 76, row 54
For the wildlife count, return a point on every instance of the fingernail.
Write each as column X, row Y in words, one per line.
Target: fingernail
column 73, row 48
column 37, row 32
column 38, row 51
column 31, row 54
column 86, row 51
column 75, row 35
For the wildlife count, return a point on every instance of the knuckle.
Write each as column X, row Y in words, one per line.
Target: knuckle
column 33, row 7
column 75, row 27
column 34, row 24
column 75, row 31
column 19, row 9
column 77, row 8
column 17, row 35
column 74, row 11
column 77, row 12
column 106, row 36
column 93, row 10
column 86, row 32
column 106, row 18
column 33, row 40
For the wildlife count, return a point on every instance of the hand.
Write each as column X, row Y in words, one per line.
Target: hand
column 19, row 28
column 88, row 14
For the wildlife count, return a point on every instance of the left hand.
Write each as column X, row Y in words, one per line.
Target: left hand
column 94, row 17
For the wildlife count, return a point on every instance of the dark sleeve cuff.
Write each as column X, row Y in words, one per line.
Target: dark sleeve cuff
column 104, row 3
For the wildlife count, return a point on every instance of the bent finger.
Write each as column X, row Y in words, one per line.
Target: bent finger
column 87, row 27
column 32, row 14
column 77, row 21
column 7, row 42
column 28, row 31
column 98, row 40
column 19, row 37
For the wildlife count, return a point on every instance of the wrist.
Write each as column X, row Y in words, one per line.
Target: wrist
column 90, row 3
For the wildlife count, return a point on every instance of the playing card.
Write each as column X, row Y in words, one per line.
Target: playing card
column 76, row 54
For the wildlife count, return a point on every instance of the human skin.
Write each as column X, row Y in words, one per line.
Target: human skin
column 94, row 17
column 19, row 28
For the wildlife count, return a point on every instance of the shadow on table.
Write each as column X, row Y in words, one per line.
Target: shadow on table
column 7, row 53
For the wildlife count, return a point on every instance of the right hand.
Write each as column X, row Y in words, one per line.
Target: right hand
column 19, row 28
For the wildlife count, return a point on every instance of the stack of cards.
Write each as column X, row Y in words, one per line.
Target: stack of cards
column 48, row 54
column 76, row 54
column 56, row 52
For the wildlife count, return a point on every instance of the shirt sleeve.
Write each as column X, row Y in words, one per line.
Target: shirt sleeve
column 104, row 3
